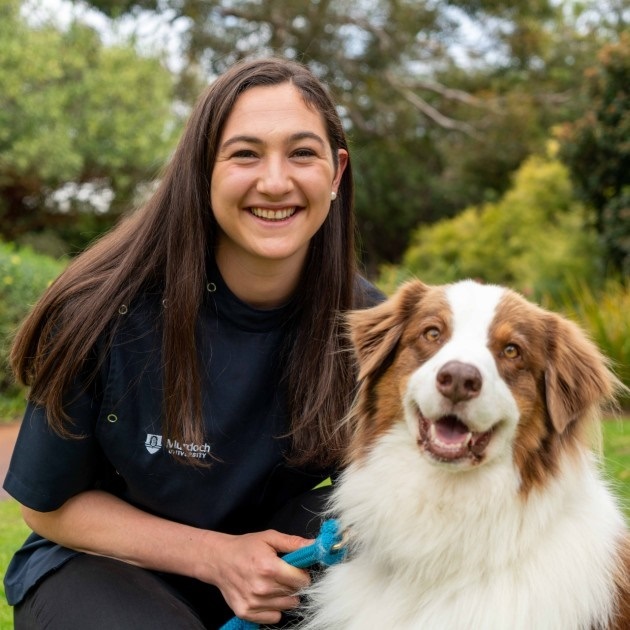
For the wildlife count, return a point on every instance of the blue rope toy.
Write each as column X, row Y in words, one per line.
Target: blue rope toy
column 326, row 549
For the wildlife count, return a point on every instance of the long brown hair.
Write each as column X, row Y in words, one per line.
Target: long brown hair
column 164, row 246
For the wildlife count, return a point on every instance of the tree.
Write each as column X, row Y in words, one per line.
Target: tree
column 393, row 67
column 438, row 119
column 597, row 150
column 75, row 117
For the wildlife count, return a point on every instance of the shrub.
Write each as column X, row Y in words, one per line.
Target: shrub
column 533, row 239
column 24, row 275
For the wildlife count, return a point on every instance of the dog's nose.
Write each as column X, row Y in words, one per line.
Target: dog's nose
column 459, row 381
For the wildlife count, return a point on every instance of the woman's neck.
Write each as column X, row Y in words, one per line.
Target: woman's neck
column 260, row 283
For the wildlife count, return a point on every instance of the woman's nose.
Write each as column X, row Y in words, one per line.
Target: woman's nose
column 274, row 178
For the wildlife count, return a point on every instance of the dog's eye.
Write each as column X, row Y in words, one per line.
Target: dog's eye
column 431, row 334
column 511, row 351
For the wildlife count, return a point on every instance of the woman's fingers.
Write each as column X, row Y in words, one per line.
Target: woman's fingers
column 256, row 583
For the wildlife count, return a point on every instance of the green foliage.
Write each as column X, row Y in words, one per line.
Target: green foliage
column 533, row 239
column 438, row 119
column 12, row 535
column 597, row 150
column 617, row 459
column 390, row 200
column 24, row 275
column 75, row 111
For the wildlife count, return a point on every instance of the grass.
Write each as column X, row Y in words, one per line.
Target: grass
column 617, row 467
column 617, row 459
column 13, row 531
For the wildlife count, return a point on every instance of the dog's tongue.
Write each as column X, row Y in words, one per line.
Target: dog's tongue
column 450, row 430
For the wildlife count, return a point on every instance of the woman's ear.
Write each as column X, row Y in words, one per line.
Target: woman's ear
column 342, row 162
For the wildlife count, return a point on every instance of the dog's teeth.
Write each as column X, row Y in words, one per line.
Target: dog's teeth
column 469, row 437
column 432, row 432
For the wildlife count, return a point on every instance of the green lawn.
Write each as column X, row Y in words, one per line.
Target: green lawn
column 617, row 458
column 617, row 461
column 12, row 532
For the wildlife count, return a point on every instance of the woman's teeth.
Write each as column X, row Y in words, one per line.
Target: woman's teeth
column 273, row 215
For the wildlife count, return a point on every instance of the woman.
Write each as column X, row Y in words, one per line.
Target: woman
column 188, row 375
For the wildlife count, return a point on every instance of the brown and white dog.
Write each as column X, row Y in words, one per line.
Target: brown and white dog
column 472, row 497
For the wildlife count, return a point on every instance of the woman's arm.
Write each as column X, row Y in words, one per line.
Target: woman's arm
column 254, row 581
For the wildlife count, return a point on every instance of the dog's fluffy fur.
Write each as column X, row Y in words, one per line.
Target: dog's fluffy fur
column 472, row 497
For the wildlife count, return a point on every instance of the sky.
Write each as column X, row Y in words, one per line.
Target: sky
column 154, row 34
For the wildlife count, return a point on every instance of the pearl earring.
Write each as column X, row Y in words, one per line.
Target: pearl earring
column 333, row 195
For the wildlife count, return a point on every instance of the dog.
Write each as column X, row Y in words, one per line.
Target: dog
column 472, row 498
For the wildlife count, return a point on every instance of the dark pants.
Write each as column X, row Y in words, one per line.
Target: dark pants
column 96, row 593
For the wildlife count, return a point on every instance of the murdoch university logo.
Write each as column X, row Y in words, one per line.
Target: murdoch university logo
column 153, row 444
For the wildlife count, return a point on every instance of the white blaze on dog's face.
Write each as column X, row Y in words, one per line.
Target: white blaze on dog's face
column 477, row 373
column 457, row 404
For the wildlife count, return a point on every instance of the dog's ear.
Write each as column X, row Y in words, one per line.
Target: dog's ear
column 375, row 332
column 577, row 377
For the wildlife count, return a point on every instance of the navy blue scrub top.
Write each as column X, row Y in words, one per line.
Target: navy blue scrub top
column 122, row 449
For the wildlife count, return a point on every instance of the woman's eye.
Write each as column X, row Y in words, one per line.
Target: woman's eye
column 244, row 154
column 432, row 334
column 511, row 351
column 303, row 153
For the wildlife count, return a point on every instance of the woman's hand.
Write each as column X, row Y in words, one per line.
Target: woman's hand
column 254, row 581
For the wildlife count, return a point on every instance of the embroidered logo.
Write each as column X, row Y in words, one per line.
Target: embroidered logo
column 153, row 444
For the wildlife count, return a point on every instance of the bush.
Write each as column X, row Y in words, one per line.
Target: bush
column 533, row 239
column 24, row 275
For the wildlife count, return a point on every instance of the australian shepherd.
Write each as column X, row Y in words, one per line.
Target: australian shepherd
column 473, row 499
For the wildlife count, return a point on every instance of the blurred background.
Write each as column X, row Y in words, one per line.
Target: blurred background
column 490, row 139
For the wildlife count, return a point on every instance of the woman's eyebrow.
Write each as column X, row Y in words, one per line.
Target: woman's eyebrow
column 296, row 137
column 245, row 139
column 307, row 135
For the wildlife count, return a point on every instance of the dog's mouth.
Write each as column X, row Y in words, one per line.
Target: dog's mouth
column 449, row 439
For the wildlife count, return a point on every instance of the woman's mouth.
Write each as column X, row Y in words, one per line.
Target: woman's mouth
column 273, row 214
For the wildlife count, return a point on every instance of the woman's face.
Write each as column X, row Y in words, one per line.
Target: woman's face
column 273, row 177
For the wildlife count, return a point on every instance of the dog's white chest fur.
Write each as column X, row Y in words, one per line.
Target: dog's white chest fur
column 466, row 554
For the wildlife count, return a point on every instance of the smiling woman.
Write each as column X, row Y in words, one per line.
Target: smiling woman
column 271, row 191
column 189, row 373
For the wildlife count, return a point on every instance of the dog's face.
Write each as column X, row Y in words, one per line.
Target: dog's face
column 477, row 373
